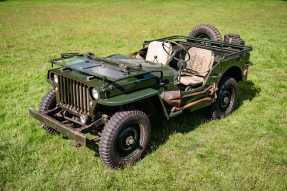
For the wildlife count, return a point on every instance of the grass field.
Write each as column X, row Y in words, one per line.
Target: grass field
column 245, row 151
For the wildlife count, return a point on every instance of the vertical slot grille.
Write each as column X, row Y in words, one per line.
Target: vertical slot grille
column 73, row 95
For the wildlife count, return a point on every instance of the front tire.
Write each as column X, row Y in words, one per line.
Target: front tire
column 48, row 102
column 124, row 138
column 226, row 101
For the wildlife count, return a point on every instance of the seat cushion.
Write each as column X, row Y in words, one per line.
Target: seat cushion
column 201, row 61
column 157, row 54
column 197, row 67
column 191, row 80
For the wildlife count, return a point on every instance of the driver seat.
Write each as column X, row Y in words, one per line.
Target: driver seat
column 156, row 53
column 197, row 67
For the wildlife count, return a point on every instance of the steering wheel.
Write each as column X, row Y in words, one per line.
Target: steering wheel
column 181, row 63
column 173, row 53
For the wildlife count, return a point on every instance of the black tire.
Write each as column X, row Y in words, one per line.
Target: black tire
column 206, row 31
column 226, row 100
column 48, row 102
column 124, row 138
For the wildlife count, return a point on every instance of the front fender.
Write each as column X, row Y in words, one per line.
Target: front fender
column 134, row 97
column 129, row 97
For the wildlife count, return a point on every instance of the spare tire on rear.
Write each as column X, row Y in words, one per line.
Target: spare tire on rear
column 206, row 31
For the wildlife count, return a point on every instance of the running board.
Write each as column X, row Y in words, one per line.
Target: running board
column 202, row 102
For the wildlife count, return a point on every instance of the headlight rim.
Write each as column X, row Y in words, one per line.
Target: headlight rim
column 55, row 79
column 95, row 93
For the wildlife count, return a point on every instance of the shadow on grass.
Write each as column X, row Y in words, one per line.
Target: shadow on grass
column 189, row 121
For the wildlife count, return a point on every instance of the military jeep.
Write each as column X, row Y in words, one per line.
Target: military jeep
column 107, row 102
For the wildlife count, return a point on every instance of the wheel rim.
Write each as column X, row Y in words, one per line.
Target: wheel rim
column 128, row 140
column 226, row 98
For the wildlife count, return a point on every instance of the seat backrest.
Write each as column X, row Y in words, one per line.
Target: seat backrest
column 201, row 61
column 157, row 54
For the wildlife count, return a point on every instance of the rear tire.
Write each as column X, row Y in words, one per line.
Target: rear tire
column 124, row 138
column 226, row 101
column 48, row 102
column 206, row 31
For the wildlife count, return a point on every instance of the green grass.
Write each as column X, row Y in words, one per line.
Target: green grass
column 245, row 151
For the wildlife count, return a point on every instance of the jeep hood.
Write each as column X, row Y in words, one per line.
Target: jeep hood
column 116, row 76
column 115, row 68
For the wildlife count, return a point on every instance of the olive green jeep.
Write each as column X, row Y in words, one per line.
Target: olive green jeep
column 107, row 102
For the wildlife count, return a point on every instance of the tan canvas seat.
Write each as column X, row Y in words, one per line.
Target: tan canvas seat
column 198, row 67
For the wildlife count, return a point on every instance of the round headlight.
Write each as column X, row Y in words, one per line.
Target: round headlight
column 95, row 93
column 56, row 79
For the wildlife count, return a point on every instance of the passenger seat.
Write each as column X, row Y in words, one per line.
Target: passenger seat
column 198, row 67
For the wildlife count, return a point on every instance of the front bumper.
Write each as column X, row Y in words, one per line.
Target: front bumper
column 75, row 134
